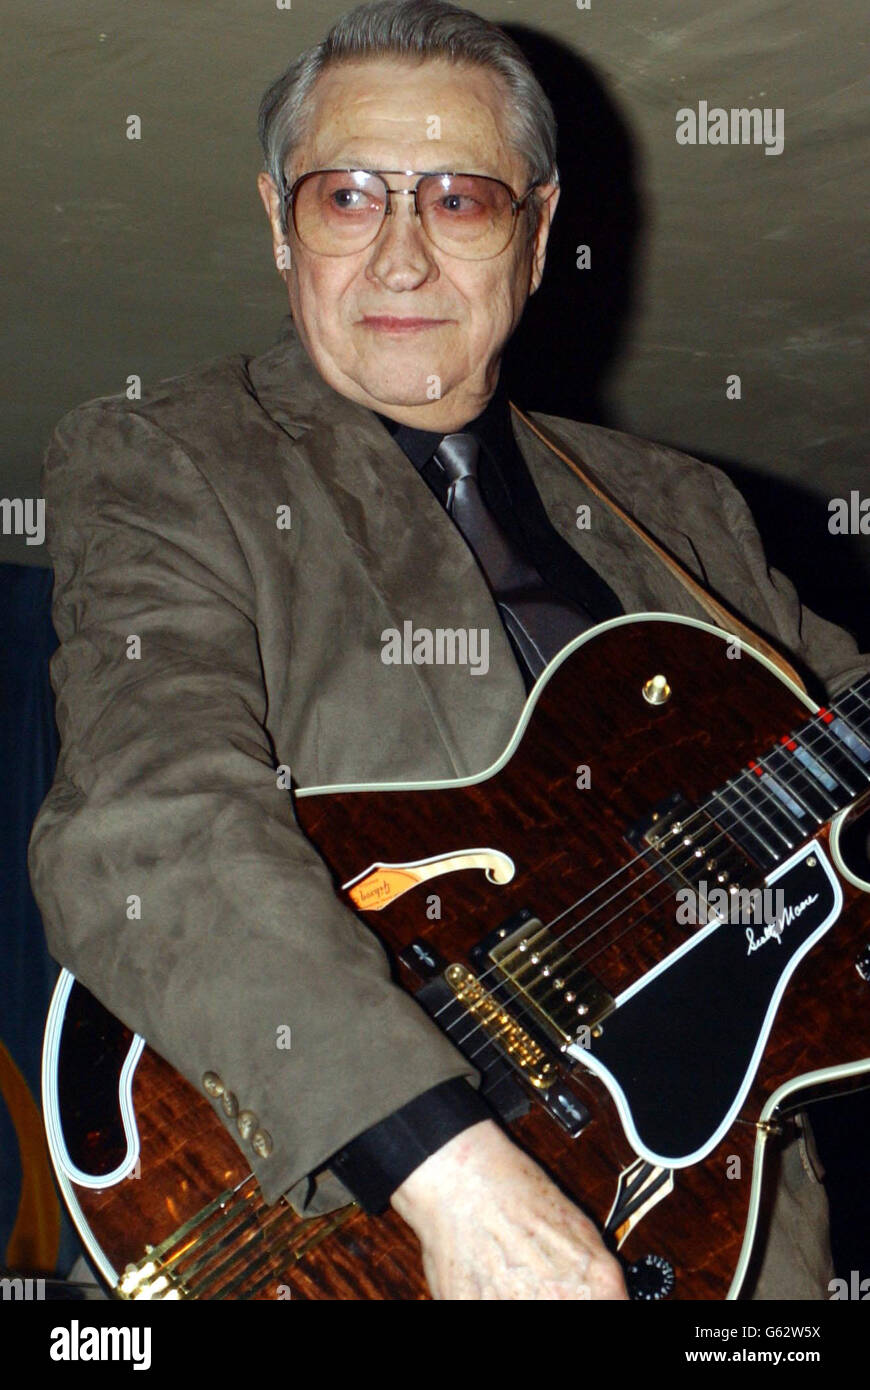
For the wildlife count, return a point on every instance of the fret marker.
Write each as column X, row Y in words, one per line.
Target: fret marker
column 851, row 740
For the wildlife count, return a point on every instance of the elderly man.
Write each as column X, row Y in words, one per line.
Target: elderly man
column 258, row 525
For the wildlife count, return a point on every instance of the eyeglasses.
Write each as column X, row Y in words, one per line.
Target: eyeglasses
column 339, row 211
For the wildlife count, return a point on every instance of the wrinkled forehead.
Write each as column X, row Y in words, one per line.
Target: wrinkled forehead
column 390, row 113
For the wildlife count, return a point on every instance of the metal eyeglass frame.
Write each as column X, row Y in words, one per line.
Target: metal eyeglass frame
column 287, row 195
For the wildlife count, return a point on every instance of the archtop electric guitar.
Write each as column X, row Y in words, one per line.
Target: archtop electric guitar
column 638, row 925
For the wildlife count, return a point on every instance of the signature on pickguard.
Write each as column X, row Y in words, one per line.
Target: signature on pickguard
column 774, row 930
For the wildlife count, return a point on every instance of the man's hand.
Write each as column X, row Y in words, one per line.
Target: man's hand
column 493, row 1226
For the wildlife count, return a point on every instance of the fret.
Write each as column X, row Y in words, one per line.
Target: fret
column 762, row 805
column 826, row 783
column 830, row 760
column 864, row 699
column 782, row 768
column 781, row 786
column 837, row 731
column 860, row 701
column 785, row 814
column 816, row 785
column 755, row 797
column 753, row 842
column 856, row 746
column 855, row 707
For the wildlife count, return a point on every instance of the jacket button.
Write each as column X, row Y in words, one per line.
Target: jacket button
column 212, row 1084
column 247, row 1123
column 230, row 1104
column 262, row 1143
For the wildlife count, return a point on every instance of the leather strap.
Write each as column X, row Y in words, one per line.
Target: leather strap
column 717, row 611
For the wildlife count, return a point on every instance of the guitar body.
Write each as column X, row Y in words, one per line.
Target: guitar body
column 645, row 1060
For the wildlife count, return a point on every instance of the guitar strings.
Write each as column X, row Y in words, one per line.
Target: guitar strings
column 661, row 880
column 655, row 906
column 699, row 812
column 649, row 869
column 814, row 737
column 678, row 868
column 675, row 871
column 640, row 858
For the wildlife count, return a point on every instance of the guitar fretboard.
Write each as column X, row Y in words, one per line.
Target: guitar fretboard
column 781, row 798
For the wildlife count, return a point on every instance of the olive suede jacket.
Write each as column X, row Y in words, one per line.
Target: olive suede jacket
column 260, row 647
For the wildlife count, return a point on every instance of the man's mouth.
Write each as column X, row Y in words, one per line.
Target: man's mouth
column 388, row 323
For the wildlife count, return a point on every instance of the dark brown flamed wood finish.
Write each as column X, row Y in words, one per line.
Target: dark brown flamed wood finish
column 187, row 1158
column 565, row 841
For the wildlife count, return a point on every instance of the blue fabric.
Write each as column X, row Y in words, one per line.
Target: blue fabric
column 28, row 753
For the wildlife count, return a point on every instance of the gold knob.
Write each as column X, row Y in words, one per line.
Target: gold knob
column 212, row 1084
column 656, row 690
column 230, row 1104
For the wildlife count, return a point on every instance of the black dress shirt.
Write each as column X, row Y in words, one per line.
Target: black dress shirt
column 374, row 1164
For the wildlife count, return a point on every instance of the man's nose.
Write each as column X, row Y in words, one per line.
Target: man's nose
column 401, row 253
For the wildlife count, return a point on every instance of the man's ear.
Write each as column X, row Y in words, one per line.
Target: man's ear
column 271, row 201
column 547, row 197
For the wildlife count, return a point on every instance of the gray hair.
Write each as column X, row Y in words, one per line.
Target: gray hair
column 417, row 30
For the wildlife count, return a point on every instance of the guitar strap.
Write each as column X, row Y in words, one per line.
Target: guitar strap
column 717, row 611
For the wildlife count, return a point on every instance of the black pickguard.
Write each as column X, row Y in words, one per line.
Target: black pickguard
column 681, row 1048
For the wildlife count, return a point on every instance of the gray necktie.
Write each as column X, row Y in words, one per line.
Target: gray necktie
column 539, row 621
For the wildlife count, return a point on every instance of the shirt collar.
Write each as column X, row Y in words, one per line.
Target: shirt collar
column 492, row 429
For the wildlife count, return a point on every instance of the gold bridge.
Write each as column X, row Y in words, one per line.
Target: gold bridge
column 498, row 1025
column 234, row 1248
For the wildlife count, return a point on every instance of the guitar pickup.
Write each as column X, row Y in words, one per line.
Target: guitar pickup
column 560, row 998
column 685, row 845
column 663, row 825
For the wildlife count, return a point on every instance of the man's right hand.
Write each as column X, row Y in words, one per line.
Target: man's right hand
column 493, row 1226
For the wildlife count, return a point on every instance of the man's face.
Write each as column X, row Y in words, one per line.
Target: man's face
column 375, row 115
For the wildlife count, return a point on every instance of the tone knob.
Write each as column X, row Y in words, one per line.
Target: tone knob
column 650, row 1278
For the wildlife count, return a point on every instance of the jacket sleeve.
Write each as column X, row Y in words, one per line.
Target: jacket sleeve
column 170, row 872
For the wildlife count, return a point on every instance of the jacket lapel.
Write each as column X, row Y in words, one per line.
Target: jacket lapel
column 412, row 553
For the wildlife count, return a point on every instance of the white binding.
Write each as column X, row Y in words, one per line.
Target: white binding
column 823, row 1077
column 65, row 1170
column 534, row 694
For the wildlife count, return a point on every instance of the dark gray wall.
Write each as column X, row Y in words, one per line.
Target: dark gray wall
column 146, row 257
